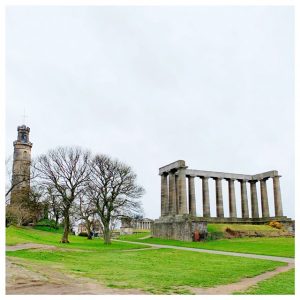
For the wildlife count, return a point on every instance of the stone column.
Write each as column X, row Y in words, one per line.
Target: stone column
column 264, row 198
column 205, row 197
column 244, row 197
column 277, row 197
column 192, row 196
column 164, row 195
column 176, row 193
column 219, row 198
column 172, row 194
column 232, row 201
column 182, row 200
column 254, row 204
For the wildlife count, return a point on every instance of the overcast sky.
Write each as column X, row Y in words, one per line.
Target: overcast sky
column 150, row 85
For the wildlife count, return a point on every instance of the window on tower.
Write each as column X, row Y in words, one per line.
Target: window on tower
column 24, row 137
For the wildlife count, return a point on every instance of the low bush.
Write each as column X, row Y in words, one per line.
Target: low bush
column 46, row 222
column 83, row 234
column 276, row 224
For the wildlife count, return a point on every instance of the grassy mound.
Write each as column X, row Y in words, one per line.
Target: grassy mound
column 215, row 227
column 275, row 246
column 20, row 235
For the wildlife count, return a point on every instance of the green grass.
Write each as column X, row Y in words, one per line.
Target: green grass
column 49, row 229
column 215, row 227
column 277, row 246
column 160, row 271
column 281, row 284
column 135, row 237
column 19, row 235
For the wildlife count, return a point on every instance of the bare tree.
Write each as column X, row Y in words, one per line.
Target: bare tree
column 17, row 213
column 86, row 212
column 54, row 204
column 113, row 190
column 27, row 208
column 66, row 171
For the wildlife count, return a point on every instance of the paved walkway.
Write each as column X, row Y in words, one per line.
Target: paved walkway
column 257, row 256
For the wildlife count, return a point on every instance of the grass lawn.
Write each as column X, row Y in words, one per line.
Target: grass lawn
column 215, row 227
column 136, row 237
column 161, row 271
column 19, row 235
column 277, row 246
column 281, row 284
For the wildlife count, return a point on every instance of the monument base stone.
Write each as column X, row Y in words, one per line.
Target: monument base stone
column 182, row 228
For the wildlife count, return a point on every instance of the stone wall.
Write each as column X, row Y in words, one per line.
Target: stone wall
column 179, row 228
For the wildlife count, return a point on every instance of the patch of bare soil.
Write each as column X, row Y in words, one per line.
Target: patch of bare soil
column 28, row 278
column 37, row 247
column 242, row 285
column 29, row 246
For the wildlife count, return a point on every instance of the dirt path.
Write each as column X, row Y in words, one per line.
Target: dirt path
column 242, row 285
column 24, row 277
column 29, row 246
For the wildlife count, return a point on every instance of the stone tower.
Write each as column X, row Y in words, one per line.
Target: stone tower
column 21, row 165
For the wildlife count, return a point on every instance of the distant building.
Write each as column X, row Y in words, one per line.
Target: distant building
column 96, row 228
column 141, row 223
column 129, row 225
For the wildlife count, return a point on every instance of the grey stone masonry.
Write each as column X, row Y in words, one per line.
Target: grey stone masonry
column 205, row 197
column 223, row 175
column 179, row 198
column 244, row 197
column 179, row 218
column 254, row 203
column 177, row 195
column 277, row 197
column 219, row 198
column 164, row 195
column 21, row 166
column 192, row 196
column 232, row 201
column 182, row 200
column 264, row 198
column 172, row 194
column 183, row 228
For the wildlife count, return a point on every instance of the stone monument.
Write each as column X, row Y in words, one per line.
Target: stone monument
column 178, row 201
column 21, row 165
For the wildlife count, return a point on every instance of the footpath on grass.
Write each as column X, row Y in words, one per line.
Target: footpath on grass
column 239, row 254
column 38, row 282
column 241, row 286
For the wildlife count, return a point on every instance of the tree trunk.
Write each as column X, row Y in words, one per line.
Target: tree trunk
column 65, row 236
column 46, row 210
column 56, row 220
column 88, row 228
column 106, row 234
